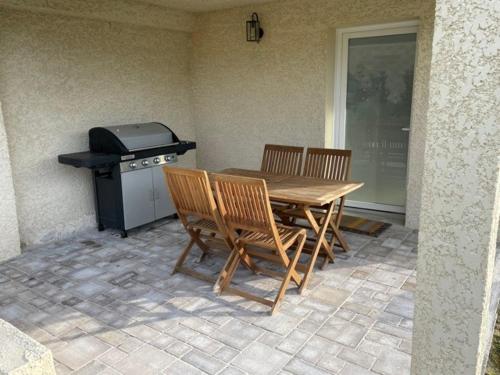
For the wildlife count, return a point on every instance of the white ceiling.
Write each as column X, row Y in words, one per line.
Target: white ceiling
column 204, row 5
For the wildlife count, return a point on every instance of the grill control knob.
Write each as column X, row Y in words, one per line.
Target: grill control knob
column 145, row 163
column 168, row 158
column 133, row 165
column 156, row 160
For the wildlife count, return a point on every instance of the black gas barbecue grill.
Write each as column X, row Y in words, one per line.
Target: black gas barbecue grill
column 126, row 163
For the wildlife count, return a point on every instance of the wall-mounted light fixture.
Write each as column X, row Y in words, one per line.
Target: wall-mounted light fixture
column 254, row 31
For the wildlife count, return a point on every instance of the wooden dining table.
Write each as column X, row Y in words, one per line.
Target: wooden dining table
column 306, row 194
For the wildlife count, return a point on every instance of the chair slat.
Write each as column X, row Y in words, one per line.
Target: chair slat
column 329, row 164
column 280, row 159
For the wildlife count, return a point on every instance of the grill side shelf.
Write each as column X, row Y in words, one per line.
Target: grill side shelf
column 89, row 159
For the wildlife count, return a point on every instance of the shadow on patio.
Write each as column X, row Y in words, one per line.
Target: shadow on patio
column 106, row 305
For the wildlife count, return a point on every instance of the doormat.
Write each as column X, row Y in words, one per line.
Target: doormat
column 363, row 226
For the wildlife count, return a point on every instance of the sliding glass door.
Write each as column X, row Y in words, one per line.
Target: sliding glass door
column 373, row 105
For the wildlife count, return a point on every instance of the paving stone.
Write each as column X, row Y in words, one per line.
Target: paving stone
column 226, row 354
column 406, row 346
column 147, row 359
column 357, row 357
column 402, row 307
column 333, row 296
column 392, row 242
column 237, row 334
column 351, row 369
column 182, row 368
column 271, row 339
column 231, row 371
column 80, row 351
column 382, row 338
column 391, row 330
column 316, row 348
column 330, row 363
column 112, row 356
column 203, row 362
column 130, row 344
column 142, row 332
column 92, row 368
column 162, row 341
column 86, row 273
column 178, row 348
column 259, row 359
column 88, row 289
column 341, row 331
column 370, row 347
column 206, row 344
column 393, row 279
column 345, row 314
column 281, row 324
column 392, row 362
column 298, row 367
column 294, row 341
column 183, row 333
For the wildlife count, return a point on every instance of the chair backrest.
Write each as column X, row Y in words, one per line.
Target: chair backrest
column 328, row 163
column 191, row 192
column 285, row 160
column 244, row 203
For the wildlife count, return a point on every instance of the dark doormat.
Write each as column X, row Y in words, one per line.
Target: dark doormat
column 363, row 226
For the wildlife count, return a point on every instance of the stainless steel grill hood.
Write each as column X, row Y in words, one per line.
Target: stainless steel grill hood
column 137, row 137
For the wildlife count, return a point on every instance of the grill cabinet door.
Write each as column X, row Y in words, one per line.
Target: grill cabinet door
column 138, row 198
column 163, row 203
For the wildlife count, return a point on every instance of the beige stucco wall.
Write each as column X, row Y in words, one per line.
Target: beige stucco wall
column 60, row 76
column 125, row 11
column 249, row 94
column 461, row 192
column 9, row 238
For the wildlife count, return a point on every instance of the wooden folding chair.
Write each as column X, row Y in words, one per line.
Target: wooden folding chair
column 329, row 164
column 246, row 210
column 193, row 198
column 286, row 160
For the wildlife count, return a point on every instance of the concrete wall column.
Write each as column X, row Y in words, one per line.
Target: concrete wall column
column 460, row 199
column 9, row 231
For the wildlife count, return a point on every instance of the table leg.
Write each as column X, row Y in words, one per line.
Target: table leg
column 317, row 228
column 319, row 243
column 335, row 225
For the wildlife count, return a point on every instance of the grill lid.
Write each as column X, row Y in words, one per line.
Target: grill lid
column 137, row 137
column 126, row 139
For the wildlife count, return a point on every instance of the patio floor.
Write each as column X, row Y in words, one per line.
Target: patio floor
column 106, row 305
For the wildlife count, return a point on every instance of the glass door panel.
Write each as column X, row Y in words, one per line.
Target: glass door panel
column 377, row 117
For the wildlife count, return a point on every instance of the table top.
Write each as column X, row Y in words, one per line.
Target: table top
column 299, row 189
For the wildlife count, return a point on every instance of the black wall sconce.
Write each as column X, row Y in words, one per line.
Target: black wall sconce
column 254, row 31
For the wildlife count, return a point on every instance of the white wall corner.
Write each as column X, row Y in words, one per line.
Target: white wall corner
column 9, row 229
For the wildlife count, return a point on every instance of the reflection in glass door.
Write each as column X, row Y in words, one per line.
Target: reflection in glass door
column 373, row 106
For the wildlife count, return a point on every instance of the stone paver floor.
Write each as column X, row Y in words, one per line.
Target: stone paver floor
column 106, row 305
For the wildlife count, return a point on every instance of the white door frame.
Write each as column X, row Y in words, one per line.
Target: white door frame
column 342, row 37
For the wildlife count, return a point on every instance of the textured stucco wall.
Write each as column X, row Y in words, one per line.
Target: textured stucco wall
column 9, row 238
column 60, row 76
column 461, row 191
column 21, row 355
column 127, row 11
column 249, row 94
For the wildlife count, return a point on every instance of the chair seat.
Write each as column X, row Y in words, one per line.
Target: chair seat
column 204, row 224
column 287, row 236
